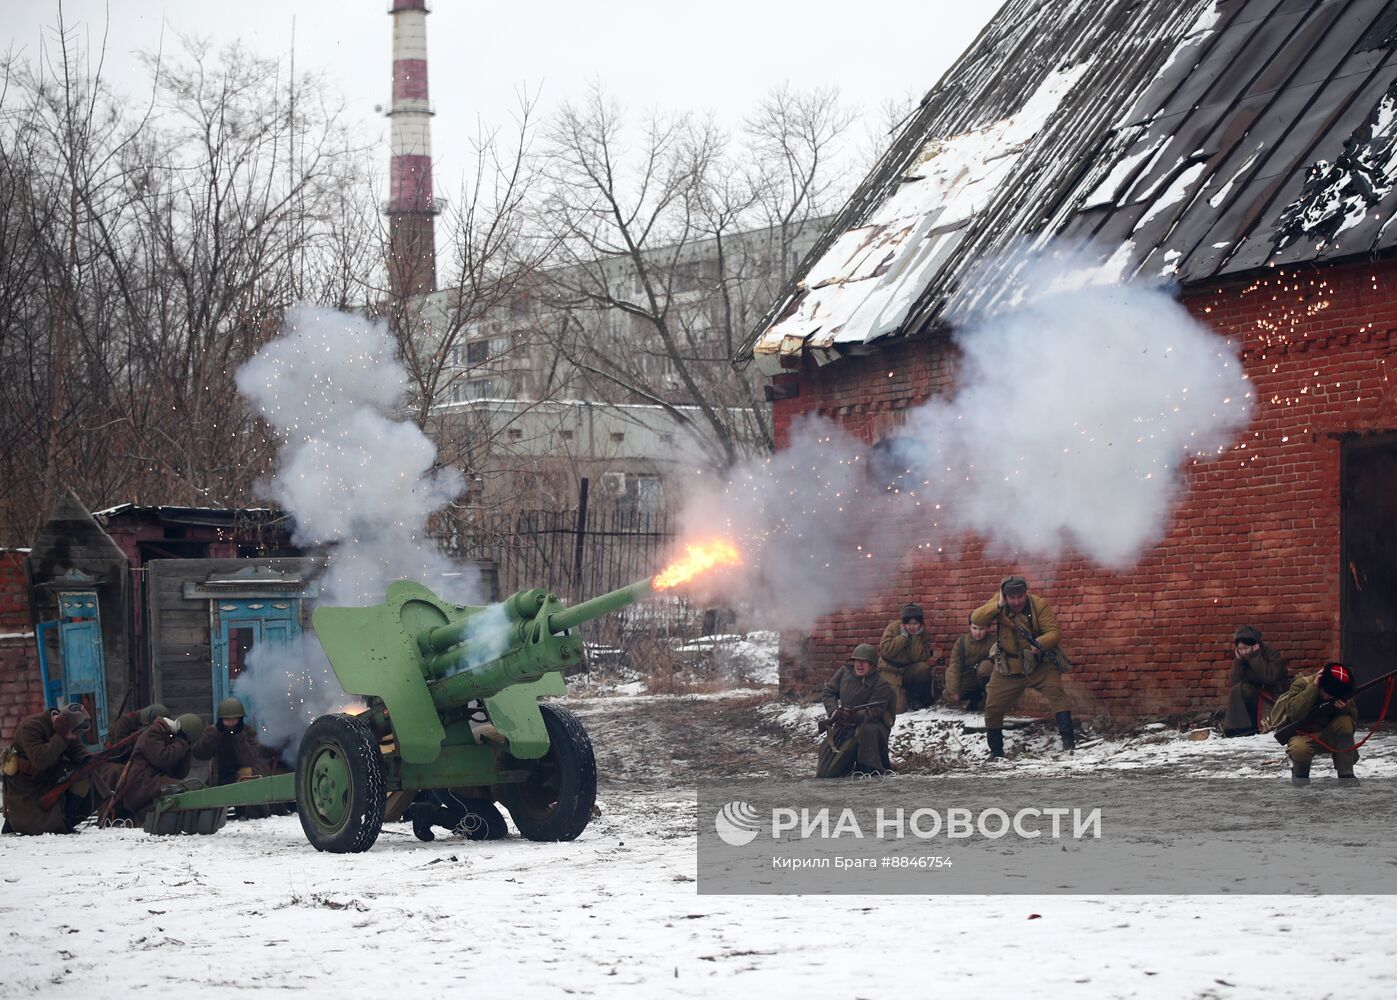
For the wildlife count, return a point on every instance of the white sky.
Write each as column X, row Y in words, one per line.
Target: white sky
column 716, row 55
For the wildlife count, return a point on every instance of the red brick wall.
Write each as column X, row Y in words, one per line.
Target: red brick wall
column 1256, row 539
column 20, row 691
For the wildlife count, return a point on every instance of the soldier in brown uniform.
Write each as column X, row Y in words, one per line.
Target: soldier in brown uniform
column 133, row 722
column 234, row 753
column 231, row 747
column 905, row 659
column 48, row 746
column 1256, row 667
column 970, row 667
column 859, row 709
column 162, row 756
column 1017, row 664
column 1323, row 705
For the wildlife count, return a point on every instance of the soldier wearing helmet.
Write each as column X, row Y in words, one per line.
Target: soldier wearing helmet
column 162, row 756
column 234, row 753
column 1018, row 664
column 1323, row 705
column 859, row 708
column 231, row 746
column 133, row 722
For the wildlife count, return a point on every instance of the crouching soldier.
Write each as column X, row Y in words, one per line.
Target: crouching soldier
column 905, row 660
column 1323, row 706
column 162, row 756
column 859, row 715
column 133, row 722
column 970, row 667
column 48, row 748
column 234, row 753
column 1256, row 667
column 1011, row 614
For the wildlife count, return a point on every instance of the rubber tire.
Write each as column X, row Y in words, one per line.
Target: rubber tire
column 367, row 792
column 556, row 802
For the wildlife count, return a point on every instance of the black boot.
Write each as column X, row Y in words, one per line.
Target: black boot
column 995, row 738
column 1299, row 774
column 1064, row 729
column 1348, row 779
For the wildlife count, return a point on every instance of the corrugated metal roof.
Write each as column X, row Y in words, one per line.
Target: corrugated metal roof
column 1182, row 138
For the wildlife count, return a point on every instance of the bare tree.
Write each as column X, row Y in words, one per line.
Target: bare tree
column 143, row 257
column 669, row 243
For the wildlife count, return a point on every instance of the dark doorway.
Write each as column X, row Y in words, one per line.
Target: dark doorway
column 1369, row 533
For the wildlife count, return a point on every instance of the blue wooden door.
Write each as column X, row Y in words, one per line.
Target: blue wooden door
column 80, row 647
column 243, row 625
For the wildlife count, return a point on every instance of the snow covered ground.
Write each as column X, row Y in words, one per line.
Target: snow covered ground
column 617, row 912
column 937, row 737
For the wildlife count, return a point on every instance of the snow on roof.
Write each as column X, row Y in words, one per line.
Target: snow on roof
column 1182, row 138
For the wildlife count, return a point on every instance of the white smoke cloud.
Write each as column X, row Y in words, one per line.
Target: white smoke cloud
column 1079, row 404
column 355, row 478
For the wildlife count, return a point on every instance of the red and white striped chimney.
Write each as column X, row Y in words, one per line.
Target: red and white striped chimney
column 412, row 264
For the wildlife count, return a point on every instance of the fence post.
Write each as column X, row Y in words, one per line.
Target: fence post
column 581, row 537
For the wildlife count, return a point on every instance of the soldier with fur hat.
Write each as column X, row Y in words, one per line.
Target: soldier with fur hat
column 162, row 756
column 1323, row 704
column 1017, row 664
column 1256, row 667
column 859, row 715
column 905, row 659
column 48, row 746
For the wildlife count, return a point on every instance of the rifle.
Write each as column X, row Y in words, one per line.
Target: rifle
column 1055, row 656
column 1284, row 733
column 47, row 800
column 842, row 716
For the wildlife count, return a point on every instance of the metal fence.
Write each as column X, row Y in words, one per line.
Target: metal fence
column 579, row 555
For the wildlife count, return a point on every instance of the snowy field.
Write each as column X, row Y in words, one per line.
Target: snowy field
column 617, row 913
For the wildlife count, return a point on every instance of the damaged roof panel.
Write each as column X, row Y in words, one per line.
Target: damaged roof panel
column 1181, row 138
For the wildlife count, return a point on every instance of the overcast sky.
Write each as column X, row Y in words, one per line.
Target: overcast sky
column 715, row 55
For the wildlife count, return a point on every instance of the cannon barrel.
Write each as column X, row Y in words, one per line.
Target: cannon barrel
column 491, row 655
column 570, row 618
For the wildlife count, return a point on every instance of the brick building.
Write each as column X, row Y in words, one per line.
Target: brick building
column 21, row 692
column 1245, row 150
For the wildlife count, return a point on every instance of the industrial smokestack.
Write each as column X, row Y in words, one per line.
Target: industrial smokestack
column 412, row 265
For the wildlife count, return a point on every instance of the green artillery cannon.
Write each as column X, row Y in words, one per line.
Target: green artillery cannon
column 452, row 694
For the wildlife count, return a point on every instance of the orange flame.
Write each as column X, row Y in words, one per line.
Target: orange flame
column 699, row 558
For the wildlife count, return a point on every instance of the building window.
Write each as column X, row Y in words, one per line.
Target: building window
column 617, row 437
column 480, row 388
column 516, row 433
column 567, row 435
column 477, row 352
column 499, row 346
column 649, row 496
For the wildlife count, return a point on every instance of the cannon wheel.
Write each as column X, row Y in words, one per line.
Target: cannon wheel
column 340, row 785
column 555, row 803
